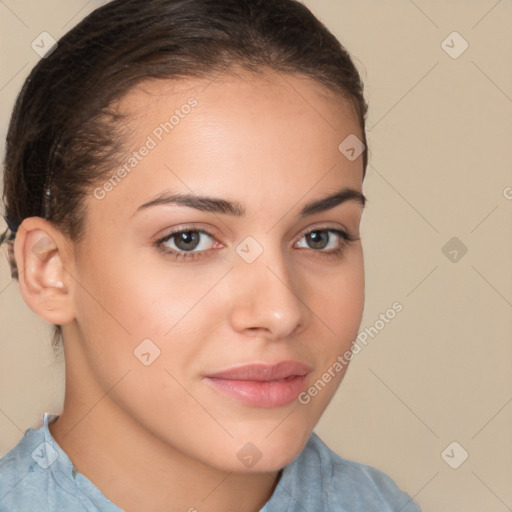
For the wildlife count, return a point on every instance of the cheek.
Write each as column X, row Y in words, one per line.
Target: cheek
column 141, row 307
column 339, row 306
column 135, row 296
column 339, row 302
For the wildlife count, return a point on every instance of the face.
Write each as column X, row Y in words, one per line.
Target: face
column 215, row 286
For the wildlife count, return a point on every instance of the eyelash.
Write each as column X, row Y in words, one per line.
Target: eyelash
column 346, row 237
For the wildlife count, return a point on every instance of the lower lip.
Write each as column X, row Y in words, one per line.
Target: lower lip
column 258, row 393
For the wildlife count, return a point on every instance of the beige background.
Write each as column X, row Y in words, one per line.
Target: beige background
column 439, row 133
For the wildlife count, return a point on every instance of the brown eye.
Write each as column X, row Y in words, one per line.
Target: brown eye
column 322, row 239
column 186, row 243
column 187, row 240
column 317, row 239
column 327, row 242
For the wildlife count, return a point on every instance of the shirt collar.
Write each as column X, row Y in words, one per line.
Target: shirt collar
column 55, row 459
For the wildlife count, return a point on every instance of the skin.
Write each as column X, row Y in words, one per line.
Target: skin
column 158, row 437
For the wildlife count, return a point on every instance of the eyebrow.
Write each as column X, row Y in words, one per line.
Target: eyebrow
column 214, row 205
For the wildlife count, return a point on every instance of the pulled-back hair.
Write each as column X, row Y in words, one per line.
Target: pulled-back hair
column 64, row 134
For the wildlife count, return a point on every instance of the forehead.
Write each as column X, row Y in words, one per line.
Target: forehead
column 263, row 140
column 291, row 112
column 240, row 91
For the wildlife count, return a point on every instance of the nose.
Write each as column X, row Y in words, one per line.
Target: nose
column 267, row 299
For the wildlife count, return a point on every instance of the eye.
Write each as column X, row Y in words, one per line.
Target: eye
column 186, row 243
column 328, row 240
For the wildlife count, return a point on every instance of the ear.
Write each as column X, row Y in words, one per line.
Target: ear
column 42, row 253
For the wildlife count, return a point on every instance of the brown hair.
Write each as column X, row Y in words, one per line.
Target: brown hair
column 64, row 133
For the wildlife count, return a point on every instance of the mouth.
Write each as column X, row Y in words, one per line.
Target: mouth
column 261, row 385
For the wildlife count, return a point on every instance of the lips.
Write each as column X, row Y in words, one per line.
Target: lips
column 261, row 385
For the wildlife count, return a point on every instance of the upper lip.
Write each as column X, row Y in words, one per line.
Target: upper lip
column 263, row 372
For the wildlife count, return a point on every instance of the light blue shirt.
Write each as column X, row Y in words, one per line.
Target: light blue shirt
column 37, row 475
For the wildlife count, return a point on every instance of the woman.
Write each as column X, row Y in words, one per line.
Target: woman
column 183, row 186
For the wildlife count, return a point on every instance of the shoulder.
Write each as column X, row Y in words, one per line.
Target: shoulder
column 20, row 474
column 38, row 475
column 359, row 482
column 320, row 479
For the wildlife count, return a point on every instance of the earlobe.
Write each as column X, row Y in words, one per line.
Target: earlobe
column 40, row 252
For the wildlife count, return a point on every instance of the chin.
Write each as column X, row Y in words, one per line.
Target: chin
column 270, row 454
